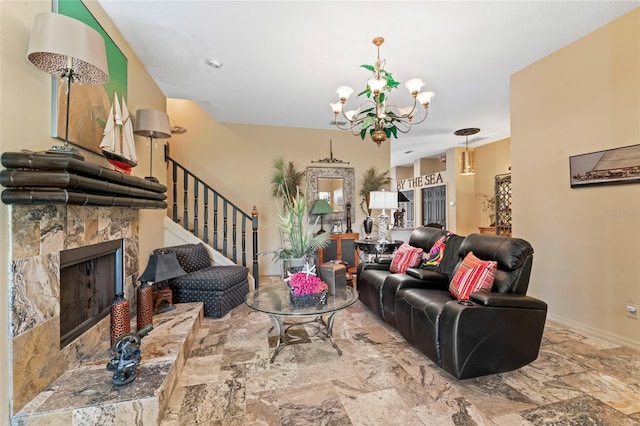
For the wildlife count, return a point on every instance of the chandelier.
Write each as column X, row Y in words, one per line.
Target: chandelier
column 374, row 115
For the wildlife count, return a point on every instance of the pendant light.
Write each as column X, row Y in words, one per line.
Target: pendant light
column 467, row 158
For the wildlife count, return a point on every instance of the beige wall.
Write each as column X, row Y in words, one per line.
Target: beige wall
column 237, row 160
column 493, row 159
column 460, row 196
column 424, row 166
column 582, row 98
column 25, row 114
column 401, row 172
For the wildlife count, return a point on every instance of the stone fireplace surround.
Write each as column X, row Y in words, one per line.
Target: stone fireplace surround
column 37, row 235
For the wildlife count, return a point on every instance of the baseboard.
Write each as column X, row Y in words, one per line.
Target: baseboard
column 595, row 332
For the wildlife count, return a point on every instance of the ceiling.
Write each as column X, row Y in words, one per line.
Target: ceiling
column 282, row 60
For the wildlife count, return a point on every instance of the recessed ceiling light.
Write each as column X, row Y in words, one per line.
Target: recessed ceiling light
column 408, row 152
column 214, row 63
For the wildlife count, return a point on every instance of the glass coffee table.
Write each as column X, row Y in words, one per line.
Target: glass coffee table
column 274, row 301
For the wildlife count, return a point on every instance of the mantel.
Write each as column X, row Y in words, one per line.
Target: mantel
column 41, row 178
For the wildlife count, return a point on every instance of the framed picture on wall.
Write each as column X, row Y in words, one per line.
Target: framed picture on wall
column 90, row 103
column 608, row 167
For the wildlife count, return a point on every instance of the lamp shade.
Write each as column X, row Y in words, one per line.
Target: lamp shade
column 414, row 85
column 59, row 43
column 162, row 267
column 321, row 207
column 383, row 200
column 467, row 162
column 152, row 124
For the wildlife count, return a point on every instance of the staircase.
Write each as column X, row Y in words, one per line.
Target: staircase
column 211, row 218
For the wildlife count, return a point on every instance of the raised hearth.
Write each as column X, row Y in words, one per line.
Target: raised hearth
column 86, row 395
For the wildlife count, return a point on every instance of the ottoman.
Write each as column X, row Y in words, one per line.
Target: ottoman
column 220, row 288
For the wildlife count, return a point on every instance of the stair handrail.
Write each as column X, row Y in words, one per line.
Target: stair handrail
column 226, row 206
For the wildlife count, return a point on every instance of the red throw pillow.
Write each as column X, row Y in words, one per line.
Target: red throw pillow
column 472, row 275
column 405, row 257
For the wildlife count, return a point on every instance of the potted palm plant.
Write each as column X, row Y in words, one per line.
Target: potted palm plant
column 372, row 180
column 285, row 178
column 299, row 245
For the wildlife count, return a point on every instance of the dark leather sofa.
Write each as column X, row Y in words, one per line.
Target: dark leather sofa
column 493, row 332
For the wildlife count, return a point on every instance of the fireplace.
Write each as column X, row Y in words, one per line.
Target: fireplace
column 90, row 277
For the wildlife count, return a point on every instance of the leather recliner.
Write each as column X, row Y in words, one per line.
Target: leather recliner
column 493, row 332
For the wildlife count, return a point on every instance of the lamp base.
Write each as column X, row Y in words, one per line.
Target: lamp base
column 152, row 179
column 383, row 228
column 65, row 150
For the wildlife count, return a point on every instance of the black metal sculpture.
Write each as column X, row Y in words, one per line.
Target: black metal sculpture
column 125, row 356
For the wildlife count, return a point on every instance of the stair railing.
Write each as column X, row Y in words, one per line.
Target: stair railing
column 196, row 195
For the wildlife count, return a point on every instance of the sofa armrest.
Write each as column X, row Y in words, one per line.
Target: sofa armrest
column 363, row 266
column 427, row 275
column 477, row 340
column 507, row 300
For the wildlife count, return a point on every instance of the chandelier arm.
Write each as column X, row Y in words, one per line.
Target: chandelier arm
column 357, row 121
column 426, row 114
column 407, row 115
column 404, row 123
column 351, row 126
column 341, row 127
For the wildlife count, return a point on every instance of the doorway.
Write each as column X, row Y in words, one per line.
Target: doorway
column 434, row 205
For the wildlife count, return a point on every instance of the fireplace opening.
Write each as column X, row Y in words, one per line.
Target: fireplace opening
column 90, row 277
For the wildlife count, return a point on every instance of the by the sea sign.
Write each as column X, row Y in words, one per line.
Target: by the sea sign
column 419, row 181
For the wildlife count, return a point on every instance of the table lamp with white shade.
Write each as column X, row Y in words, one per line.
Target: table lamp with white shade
column 383, row 200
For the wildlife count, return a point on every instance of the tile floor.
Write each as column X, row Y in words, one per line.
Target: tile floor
column 381, row 380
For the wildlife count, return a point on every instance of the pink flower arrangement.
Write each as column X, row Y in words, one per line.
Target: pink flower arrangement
column 302, row 283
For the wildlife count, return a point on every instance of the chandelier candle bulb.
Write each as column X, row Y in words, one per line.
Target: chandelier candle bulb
column 373, row 116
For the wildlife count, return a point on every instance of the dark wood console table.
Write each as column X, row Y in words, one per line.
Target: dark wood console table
column 341, row 247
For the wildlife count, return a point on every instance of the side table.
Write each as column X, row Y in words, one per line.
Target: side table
column 368, row 250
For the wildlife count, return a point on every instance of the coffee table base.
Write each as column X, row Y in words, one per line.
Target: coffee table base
column 324, row 330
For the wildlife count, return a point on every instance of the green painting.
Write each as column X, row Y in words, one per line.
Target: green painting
column 89, row 104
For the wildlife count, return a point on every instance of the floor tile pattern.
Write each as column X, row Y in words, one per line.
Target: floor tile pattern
column 381, row 380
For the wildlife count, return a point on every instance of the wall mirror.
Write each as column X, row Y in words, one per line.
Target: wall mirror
column 332, row 190
column 334, row 184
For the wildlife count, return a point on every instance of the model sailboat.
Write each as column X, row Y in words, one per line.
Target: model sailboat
column 117, row 144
